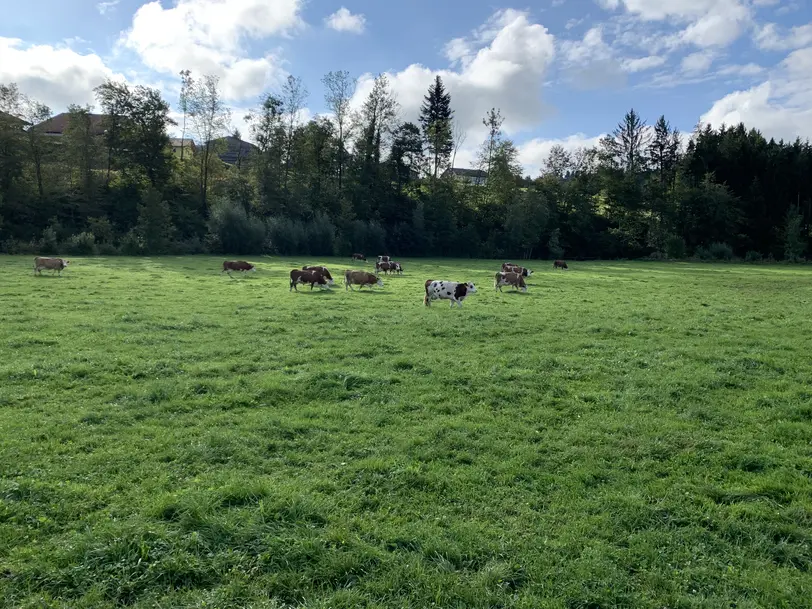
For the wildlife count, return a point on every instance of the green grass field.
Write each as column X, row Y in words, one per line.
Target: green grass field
column 623, row 435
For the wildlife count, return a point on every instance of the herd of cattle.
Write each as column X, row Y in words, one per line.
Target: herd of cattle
column 512, row 275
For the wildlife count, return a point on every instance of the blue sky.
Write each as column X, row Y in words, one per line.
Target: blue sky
column 562, row 71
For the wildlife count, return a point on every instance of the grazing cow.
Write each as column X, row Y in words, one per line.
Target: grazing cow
column 509, row 267
column 323, row 270
column 386, row 267
column 359, row 257
column 54, row 264
column 360, row 278
column 383, row 258
column 447, row 290
column 514, row 279
column 237, row 265
column 396, row 267
column 311, row 277
column 560, row 264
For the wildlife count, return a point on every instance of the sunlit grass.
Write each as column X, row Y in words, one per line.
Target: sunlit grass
column 623, row 435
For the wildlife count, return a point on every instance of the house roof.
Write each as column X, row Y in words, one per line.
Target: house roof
column 468, row 173
column 177, row 142
column 236, row 149
column 56, row 125
column 11, row 119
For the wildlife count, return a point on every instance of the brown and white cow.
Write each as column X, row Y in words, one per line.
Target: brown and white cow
column 386, row 267
column 237, row 265
column 560, row 264
column 383, row 259
column 513, row 279
column 447, row 290
column 360, row 278
column 509, row 267
column 397, row 267
column 359, row 257
column 311, row 277
column 323, row 270
column 53, row 264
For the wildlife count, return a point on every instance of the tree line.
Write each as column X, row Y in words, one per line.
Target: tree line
column 363, row 180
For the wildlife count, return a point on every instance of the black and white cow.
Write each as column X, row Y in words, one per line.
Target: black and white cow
column 447, row 290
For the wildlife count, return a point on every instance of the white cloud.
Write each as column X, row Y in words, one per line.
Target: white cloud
column 344, row 21
column 54, row 76
column 697, row 63
column 502, row 65
column 107, row 6
column 770, row 38
column 590, row 62
column 780, row 107
column 706, row 23
column 643, row 63
column 748, row 69
column 207, row 37
column 534, row 153
column 766, row 2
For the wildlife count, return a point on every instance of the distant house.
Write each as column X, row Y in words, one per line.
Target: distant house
column 184, row 144
column 57, row 125
column 470, row 176
column 235, row 151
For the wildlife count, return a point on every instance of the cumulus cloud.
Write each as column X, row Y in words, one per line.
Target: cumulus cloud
column 502, row 64
column 54, row 76
column 705, row 23
column 344, row 21
column 590, row 63
column 208, row 37
column 780, row 107
column 697, row 63
column 534, row 153
column 770, row 38
column 643, row 63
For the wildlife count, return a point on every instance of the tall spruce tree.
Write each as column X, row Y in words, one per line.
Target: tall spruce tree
column 435, row 119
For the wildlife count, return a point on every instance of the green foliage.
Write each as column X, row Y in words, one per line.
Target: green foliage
column 554, row 244
column 83, row 244
column 176, row 438
column 49, row 243
column 794, row 245
column 720, row 251
column 132, row 244
column 675, row 247
column 753, row 256
column 102, row 229
column 234, row 230
column 154, row 223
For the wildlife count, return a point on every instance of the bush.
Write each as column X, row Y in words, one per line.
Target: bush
column 286, row 237
column 702, row 253
column 107, row 249
column 656, row 256
column 83, row 244
column 753, row 256
column 49, row 244
column 320, row 236
column 721, row 251
column 10, row 246
column 675, row 247
column 187, row 247
column 235, row 231
column 132, row 244
column 101, row 228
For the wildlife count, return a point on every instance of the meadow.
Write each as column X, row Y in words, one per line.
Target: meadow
column 622, row 435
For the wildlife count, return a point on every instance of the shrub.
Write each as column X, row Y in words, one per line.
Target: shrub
column 721, row 251
column 101, row 228
column 107, row 249
column 49, row 244
column 702, row 253
column 83, row 244
column 286, row 237
column 320, row 236
column 132, row 244
column 675, row 247
column 10, row 246
column 236, row 231
column 187, row 247
column 656, row 256
column 753, row 256
column 154, row 223
column 554, row 244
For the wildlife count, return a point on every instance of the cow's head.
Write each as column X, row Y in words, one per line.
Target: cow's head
column 380, row 283
column 65, row 263
column 253, row 269
column 471, row 287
